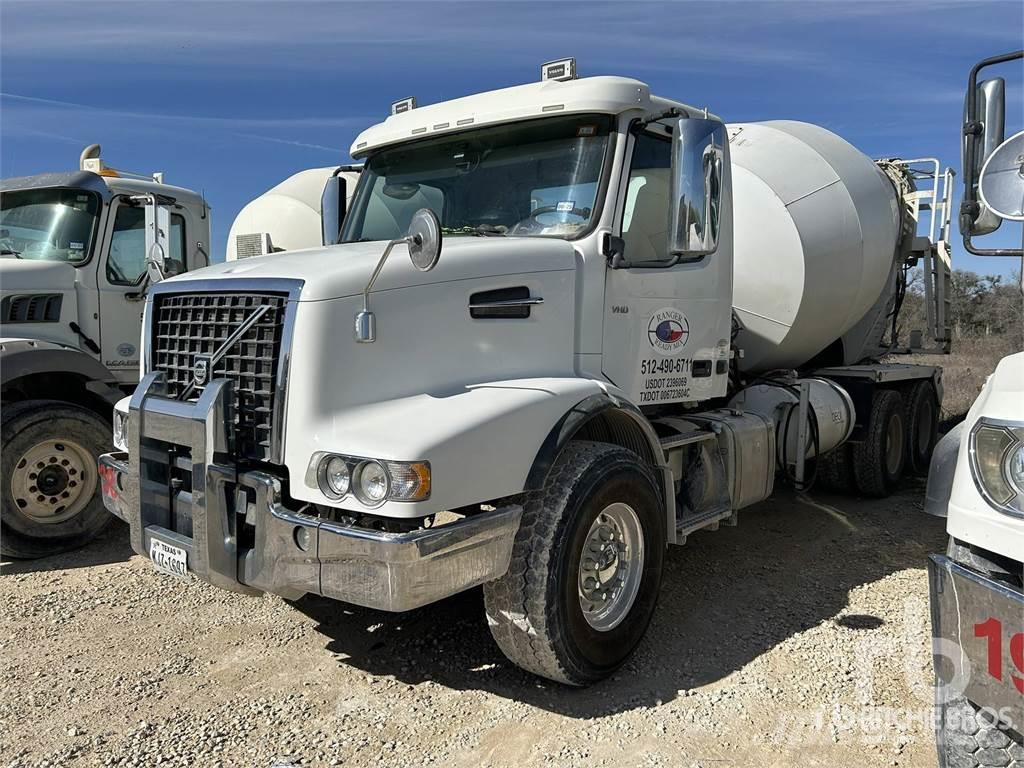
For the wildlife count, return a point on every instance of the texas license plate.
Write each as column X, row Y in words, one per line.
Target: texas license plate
column 168, row 559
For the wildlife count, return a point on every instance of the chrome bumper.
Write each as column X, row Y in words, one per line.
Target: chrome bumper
column 237, row 534
column 971, row 616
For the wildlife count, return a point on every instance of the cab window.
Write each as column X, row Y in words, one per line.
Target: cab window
column 126, row 263
column 645, row 221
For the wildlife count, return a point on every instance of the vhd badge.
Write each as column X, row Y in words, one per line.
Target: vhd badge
column 668, row 331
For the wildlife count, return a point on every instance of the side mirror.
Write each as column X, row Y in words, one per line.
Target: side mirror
column 699, row 157
column 332, row 208
column 424, row 239
column 158, row 225
column 990, row 113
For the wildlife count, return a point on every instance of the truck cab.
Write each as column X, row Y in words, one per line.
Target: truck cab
column 73, row 285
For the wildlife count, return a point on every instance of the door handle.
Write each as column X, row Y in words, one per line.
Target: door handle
column 530, row 301
column 503, row 303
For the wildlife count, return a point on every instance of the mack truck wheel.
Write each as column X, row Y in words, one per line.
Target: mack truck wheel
column 51, row 494
column 922, row 419
column 968, row 737
column 879, row 459
column 586, row 567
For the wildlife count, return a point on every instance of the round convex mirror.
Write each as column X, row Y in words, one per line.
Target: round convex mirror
column 424, row 239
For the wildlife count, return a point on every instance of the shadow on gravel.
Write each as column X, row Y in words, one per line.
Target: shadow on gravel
column 727, row 597
column 111, row 547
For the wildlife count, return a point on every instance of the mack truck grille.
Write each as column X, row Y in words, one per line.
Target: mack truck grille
column 190, row 334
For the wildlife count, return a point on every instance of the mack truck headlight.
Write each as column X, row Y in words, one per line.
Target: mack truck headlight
column 372, row 481
column 997, row 464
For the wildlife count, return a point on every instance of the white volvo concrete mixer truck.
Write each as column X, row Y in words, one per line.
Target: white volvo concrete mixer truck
column 638, row 315
column 73, row 279
column 976, row 482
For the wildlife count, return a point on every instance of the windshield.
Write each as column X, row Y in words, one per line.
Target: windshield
column 48, row 224
column 537, row 178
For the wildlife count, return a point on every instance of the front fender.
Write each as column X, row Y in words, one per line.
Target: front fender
column 481, row 440
column 941, row 472
column 23, row 358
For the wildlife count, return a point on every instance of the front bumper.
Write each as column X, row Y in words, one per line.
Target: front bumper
column 237, row 534
column 974, row 623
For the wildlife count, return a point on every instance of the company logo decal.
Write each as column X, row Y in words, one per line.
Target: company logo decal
column 668, row 331
column 126, row 349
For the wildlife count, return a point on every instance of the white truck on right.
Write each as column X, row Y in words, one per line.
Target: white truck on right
column 976, row 481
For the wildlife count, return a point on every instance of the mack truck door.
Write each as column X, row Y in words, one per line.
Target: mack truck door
column 121, row 284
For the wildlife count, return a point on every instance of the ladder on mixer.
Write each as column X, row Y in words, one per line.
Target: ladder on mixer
column 932, row 249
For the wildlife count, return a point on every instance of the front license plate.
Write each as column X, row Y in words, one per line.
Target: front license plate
column 168, row 559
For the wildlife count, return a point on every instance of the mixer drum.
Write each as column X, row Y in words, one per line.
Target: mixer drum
column 816, row 228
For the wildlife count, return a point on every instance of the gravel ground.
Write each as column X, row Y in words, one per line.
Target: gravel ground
column 799, row 637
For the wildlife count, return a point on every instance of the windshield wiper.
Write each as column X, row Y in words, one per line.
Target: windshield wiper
column 10, row 252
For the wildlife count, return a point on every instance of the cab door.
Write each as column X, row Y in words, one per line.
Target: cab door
column 121, row 283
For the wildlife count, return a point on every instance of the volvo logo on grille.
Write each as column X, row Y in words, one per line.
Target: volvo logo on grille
column 200, row 371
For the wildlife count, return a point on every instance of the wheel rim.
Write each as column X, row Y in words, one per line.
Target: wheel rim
column 53, row 481
column 611, row 567
column 894, row 445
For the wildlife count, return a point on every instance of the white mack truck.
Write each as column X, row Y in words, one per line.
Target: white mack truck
column 638, row 316
column 73, row 281
column 976, row 482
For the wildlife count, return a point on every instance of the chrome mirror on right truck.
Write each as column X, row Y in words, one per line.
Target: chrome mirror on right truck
column 698, row 162
column 982, row 135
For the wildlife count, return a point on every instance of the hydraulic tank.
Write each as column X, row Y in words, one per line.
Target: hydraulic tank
column 816, row 229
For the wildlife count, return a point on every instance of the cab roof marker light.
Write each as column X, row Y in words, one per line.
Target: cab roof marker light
column 552, row 108
column 465, row 121
column 441, row 126
column 559, row 70
column 405, row 105
column 419, row 130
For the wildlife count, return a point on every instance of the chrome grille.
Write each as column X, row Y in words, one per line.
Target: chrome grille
column 189, row 325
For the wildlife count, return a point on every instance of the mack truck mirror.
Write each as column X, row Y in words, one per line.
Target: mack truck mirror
column 982, row 133
column 158, row 225
column 698, row 162
column 424, row 241
column 332, row 208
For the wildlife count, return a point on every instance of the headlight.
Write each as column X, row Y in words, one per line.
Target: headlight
column 997, row 464
column 121, row 430
column 335, row 476
column 371, row 481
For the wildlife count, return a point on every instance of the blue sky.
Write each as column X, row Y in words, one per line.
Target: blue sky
column 232, row 97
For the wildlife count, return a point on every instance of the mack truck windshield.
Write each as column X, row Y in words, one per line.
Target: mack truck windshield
column 621, row 321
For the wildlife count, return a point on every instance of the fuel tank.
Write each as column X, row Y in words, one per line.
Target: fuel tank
column 816, row 229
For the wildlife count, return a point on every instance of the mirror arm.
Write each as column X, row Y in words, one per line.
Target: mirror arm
column 380, row 265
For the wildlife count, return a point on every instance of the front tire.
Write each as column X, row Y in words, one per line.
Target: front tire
column 586, row 567
column 51, row 499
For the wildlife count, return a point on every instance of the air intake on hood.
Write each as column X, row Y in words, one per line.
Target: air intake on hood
column 31, row 308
